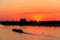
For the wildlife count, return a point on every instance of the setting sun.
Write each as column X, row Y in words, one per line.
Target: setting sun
column 38, row 20
column 38, row 17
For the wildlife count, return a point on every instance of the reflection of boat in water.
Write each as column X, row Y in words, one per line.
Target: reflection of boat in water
column 18, row 30
column 21, row 31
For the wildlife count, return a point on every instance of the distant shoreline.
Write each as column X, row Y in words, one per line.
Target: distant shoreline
column 31, row 23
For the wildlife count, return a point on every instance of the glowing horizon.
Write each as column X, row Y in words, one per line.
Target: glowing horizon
column 30, row 9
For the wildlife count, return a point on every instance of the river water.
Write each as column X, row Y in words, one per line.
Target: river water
column 39, row 33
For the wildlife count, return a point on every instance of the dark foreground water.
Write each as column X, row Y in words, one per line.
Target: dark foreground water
column 42, row 33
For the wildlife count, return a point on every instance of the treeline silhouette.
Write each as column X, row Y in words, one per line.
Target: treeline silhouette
column 23, row 22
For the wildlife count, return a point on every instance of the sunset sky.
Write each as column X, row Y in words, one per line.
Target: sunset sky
column 42, row 10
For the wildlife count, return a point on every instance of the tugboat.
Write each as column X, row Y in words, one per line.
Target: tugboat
column 18, row 30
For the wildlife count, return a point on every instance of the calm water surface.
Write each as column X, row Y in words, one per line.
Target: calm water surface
column 42, row 33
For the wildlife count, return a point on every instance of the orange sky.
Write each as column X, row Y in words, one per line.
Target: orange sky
column 30, row 9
